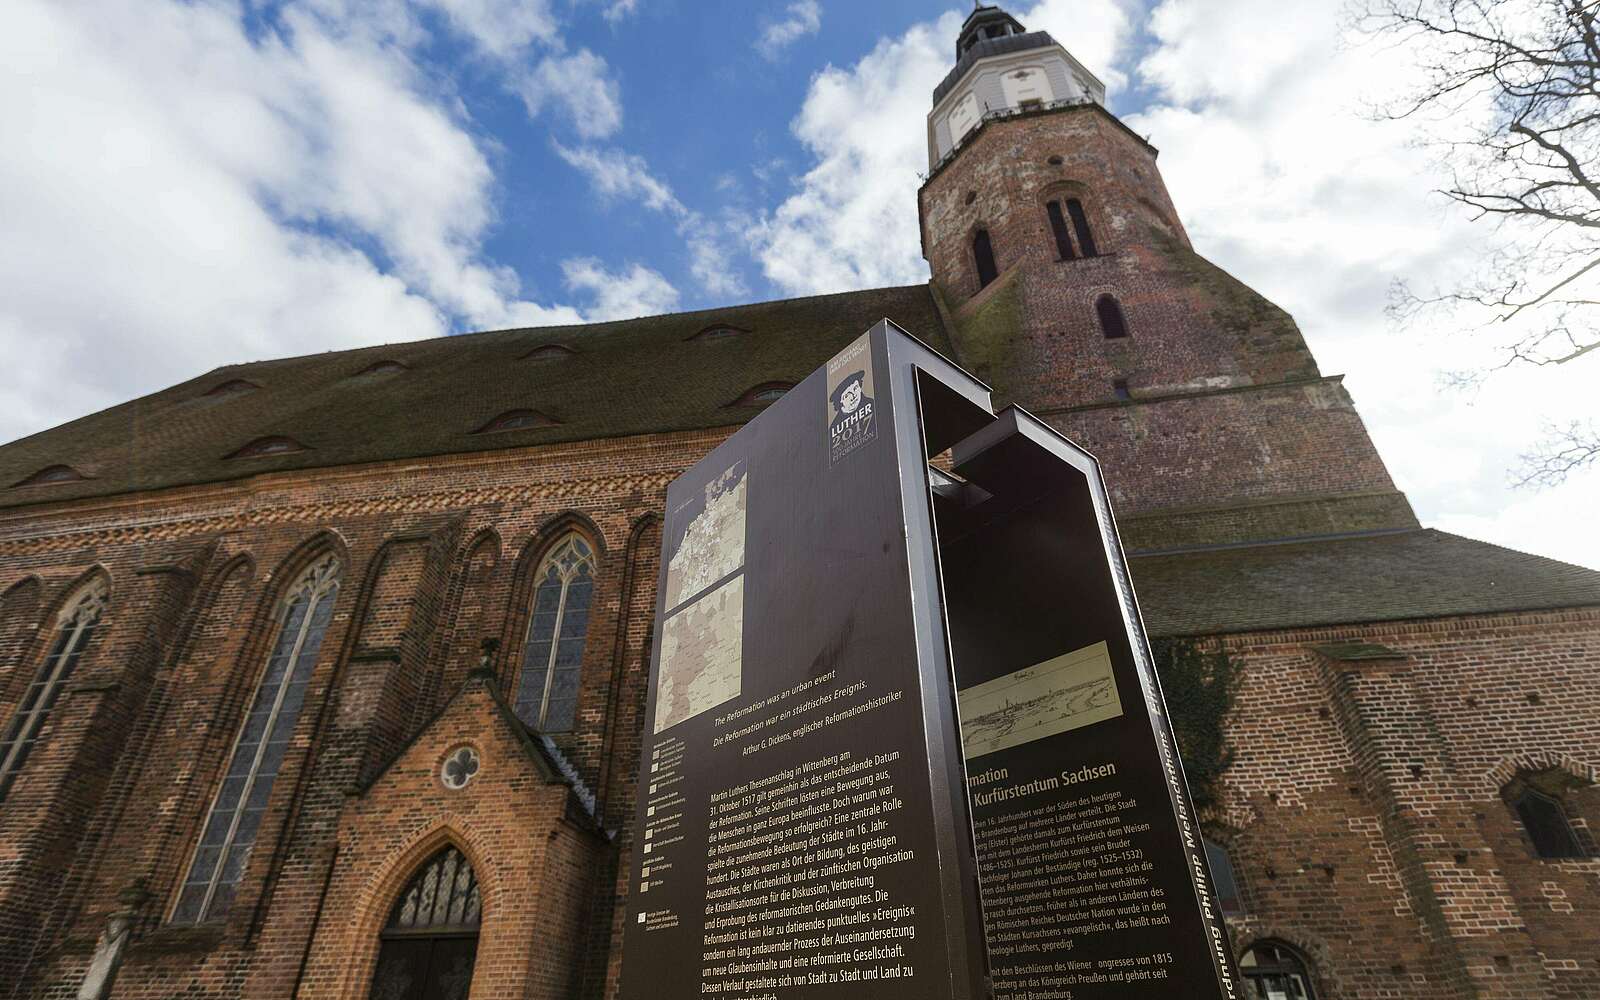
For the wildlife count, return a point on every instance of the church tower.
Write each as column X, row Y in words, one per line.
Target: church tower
column 1071, row 286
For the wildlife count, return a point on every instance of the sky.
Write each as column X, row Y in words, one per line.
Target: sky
column 190, row 184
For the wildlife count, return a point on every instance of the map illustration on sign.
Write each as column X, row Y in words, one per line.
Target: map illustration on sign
column 712, row 543
column 703, row 635
column 701, row 655
column 1065, row 693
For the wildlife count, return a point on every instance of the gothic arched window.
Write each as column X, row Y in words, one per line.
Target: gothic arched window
column 1275, row 972
column 983, row 254
column 1058, row 228
column 1545, row 820
column 1112, row 323
column 241, row 800
column 75, row 626
column 1224, row 878
column 1080, row 225
column 552, row 655
column 431, row 940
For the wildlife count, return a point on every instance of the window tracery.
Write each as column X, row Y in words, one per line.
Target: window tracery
column 552, row 659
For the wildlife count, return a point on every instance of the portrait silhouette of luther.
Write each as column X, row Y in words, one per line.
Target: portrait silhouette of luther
column 850, row 394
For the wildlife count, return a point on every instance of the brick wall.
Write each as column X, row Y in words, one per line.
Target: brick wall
column 1364, row 812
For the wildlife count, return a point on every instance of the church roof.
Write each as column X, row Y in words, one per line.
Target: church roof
column 474, row 392
column 1421, row 573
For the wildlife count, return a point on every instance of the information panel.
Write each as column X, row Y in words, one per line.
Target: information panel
column 1093, row 871
column 801, row 830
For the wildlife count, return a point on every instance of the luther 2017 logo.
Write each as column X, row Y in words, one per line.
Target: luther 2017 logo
column 850, row 407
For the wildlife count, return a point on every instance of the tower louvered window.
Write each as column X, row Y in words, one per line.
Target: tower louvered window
column 1080, row 225
column 552, row 657
column 983, row 256
column 430, row 943
column 1058, row 229
column 75, row 626
column 241, row 800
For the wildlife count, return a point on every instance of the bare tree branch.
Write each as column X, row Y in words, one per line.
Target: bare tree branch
column 1509, row 100
column 1563, row 451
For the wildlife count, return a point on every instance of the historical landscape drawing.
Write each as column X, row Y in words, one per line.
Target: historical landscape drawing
column 1065, row 693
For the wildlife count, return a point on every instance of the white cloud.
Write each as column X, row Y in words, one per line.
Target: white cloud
column 617, row 175
column 503, row 28
column 852, row 222
column 637, row 291
column 619, row 9
column 580, row 84
column 180, row 195
column 800, row 19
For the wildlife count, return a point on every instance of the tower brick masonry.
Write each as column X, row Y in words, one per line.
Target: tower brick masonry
column 1412, row 810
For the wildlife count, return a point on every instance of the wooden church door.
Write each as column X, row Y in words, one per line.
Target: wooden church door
column 431, row 940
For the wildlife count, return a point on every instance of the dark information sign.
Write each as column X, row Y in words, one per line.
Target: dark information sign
column 898, row 657
column 1094, row 876
column 801, row 827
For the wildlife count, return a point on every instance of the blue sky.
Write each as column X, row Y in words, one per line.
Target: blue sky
column 191, row 183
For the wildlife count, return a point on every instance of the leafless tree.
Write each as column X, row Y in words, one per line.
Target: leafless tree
column 1509, row 96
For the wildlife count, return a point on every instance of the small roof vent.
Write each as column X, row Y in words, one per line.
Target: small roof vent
column 763, row 394
column 388, row 366
column 262, row 447
column 549, row 352
column 53, row 475
column 517, row 420
column 232, row 387
column 719, row 331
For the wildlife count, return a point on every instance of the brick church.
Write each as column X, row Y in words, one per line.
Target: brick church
column 324, row 677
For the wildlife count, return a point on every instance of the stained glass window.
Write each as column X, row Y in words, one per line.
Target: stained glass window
column 75, row 626
column 1274, row 971
column 241, row 800
column 1223, row 877
column 1547, row 825
column 552, row 658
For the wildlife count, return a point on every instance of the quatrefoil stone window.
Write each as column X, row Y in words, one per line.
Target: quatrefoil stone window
column 459, row 768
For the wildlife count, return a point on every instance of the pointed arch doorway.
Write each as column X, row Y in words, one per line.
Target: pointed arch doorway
column 431, row 940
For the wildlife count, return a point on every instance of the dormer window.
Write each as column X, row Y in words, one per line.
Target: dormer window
column 53, row 475
column 516, row 420
column 265, row 446
column 549, row 352
column 232, row 387
column 764, row 394
column 720, row 332
column 385, row 367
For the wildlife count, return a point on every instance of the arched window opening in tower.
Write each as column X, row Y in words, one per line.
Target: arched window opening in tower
column 1058, row 228
column 430, row 944
column 1112, row 322
column 1080, row 225
column 75, row 626
column 1276, row 971
column 1548, row 827
column 241, row 799
column 983, row 255
column 1224, row 878
column 552, row 655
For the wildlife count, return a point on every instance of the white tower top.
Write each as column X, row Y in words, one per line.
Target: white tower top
column 1002, row 69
